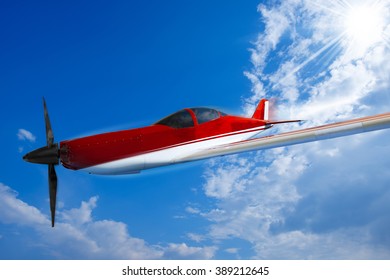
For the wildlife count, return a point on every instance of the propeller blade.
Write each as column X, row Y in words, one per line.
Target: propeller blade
column 49, row 131
column 52, row 191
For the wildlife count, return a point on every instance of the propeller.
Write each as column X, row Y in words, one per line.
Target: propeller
column 47, row 155
column 52, row 192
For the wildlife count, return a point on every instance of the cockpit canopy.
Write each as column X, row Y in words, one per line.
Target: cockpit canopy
column 180, row 119
column 183, row 118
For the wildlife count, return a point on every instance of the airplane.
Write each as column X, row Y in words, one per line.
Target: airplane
column 187, row 135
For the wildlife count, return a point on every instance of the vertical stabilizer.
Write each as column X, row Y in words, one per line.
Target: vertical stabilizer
column 262, row 110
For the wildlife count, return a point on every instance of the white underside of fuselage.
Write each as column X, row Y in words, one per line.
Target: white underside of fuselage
column 170, row 155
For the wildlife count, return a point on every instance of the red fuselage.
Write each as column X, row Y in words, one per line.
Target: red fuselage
column 103, row 148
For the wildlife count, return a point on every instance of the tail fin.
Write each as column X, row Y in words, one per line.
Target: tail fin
column 262, row 111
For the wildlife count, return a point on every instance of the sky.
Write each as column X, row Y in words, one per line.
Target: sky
column 104, row 66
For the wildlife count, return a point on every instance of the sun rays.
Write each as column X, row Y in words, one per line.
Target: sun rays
column 353, row 29
column 365, row 24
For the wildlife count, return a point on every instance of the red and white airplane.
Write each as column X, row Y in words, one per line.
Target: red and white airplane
column 187, row 135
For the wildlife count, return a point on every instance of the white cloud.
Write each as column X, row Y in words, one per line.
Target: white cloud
column 14, row 210
column 343, row 244
column 326, row 200
column 80, row 215
column 196, row 237
column 182, row 251
column 232, row 250
column 310, row 202
column 223, row 181
column 77, row 235
column 258, row 93
column 24, row 134
column 192, row 210
column 276, row 24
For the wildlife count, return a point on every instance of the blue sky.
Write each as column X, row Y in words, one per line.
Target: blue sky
column 104, row 66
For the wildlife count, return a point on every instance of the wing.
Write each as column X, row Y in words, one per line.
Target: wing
column 312, row 134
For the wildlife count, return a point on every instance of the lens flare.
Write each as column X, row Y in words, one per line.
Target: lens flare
column 364, row 24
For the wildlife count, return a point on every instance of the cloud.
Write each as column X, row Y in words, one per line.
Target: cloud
column 12, row 209
column 276, row 24
column 232, row 250
column 325, row 200
column 258, row 93
column 182, row 251
column 192, row 210
column 77, row 235
column 24, row 135
column 223, row 181
column 196, row 237
column 80, row 215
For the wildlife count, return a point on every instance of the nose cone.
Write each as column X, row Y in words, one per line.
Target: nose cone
column 26, row 157
column 44, row 155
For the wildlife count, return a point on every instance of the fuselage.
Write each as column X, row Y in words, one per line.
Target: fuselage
column 166, row 142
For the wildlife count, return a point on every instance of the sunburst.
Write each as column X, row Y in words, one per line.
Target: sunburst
column 365, row 23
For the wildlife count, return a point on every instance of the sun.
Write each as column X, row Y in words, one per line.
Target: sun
column 365, row 23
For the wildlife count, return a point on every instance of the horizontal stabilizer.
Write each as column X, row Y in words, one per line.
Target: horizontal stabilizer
column 283, row 121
